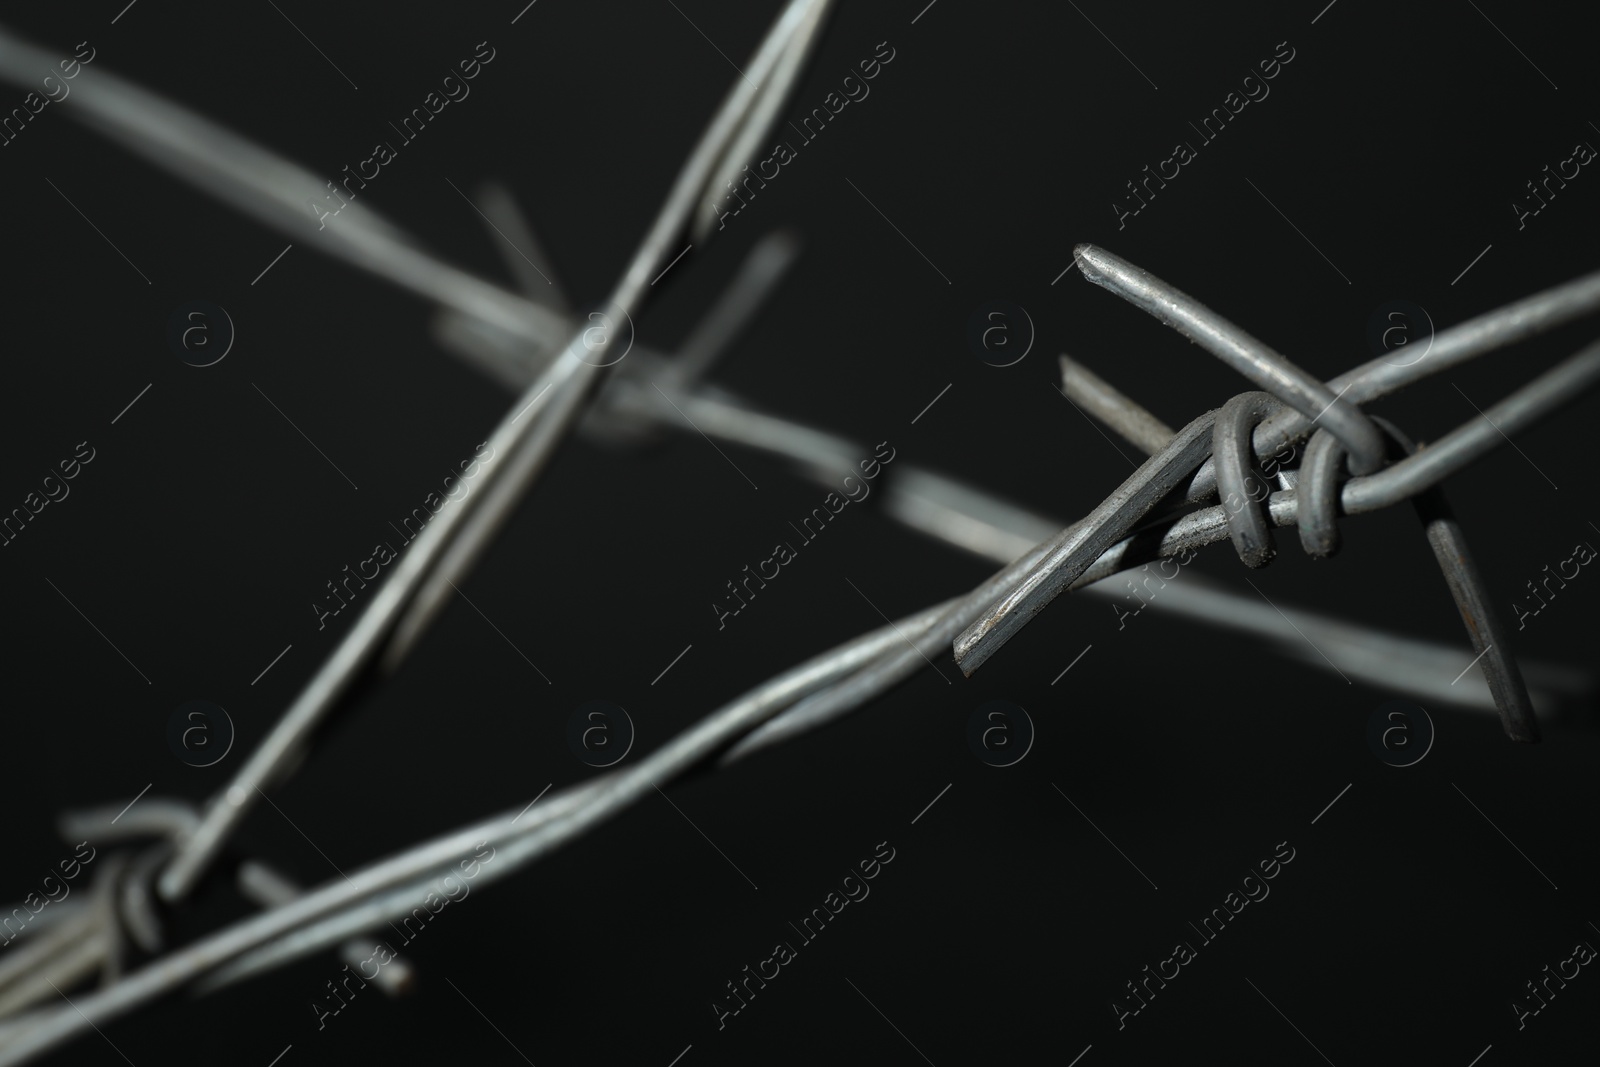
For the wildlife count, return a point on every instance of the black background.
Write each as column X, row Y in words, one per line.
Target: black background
column 996, row 139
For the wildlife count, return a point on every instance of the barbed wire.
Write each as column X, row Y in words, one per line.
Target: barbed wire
column 535, row 343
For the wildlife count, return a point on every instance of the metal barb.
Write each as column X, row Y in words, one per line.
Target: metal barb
column 1250, row 357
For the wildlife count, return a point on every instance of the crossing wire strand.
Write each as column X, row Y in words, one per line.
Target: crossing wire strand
column 818, row 691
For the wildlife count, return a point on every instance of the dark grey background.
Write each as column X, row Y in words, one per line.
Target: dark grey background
column 996, row 140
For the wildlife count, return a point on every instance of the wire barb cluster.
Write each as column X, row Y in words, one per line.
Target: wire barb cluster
column 1348, row 434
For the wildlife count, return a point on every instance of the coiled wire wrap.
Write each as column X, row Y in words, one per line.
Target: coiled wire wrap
column 1249, row 514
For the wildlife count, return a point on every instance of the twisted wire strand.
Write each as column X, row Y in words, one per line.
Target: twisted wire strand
column 275, row 190
column 997, row 530
column 818, row 691
column 909, row 499
column 1517, row 321
column 272, row 189
column 269, row 187
column 1259, row 363
column 425, row 574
